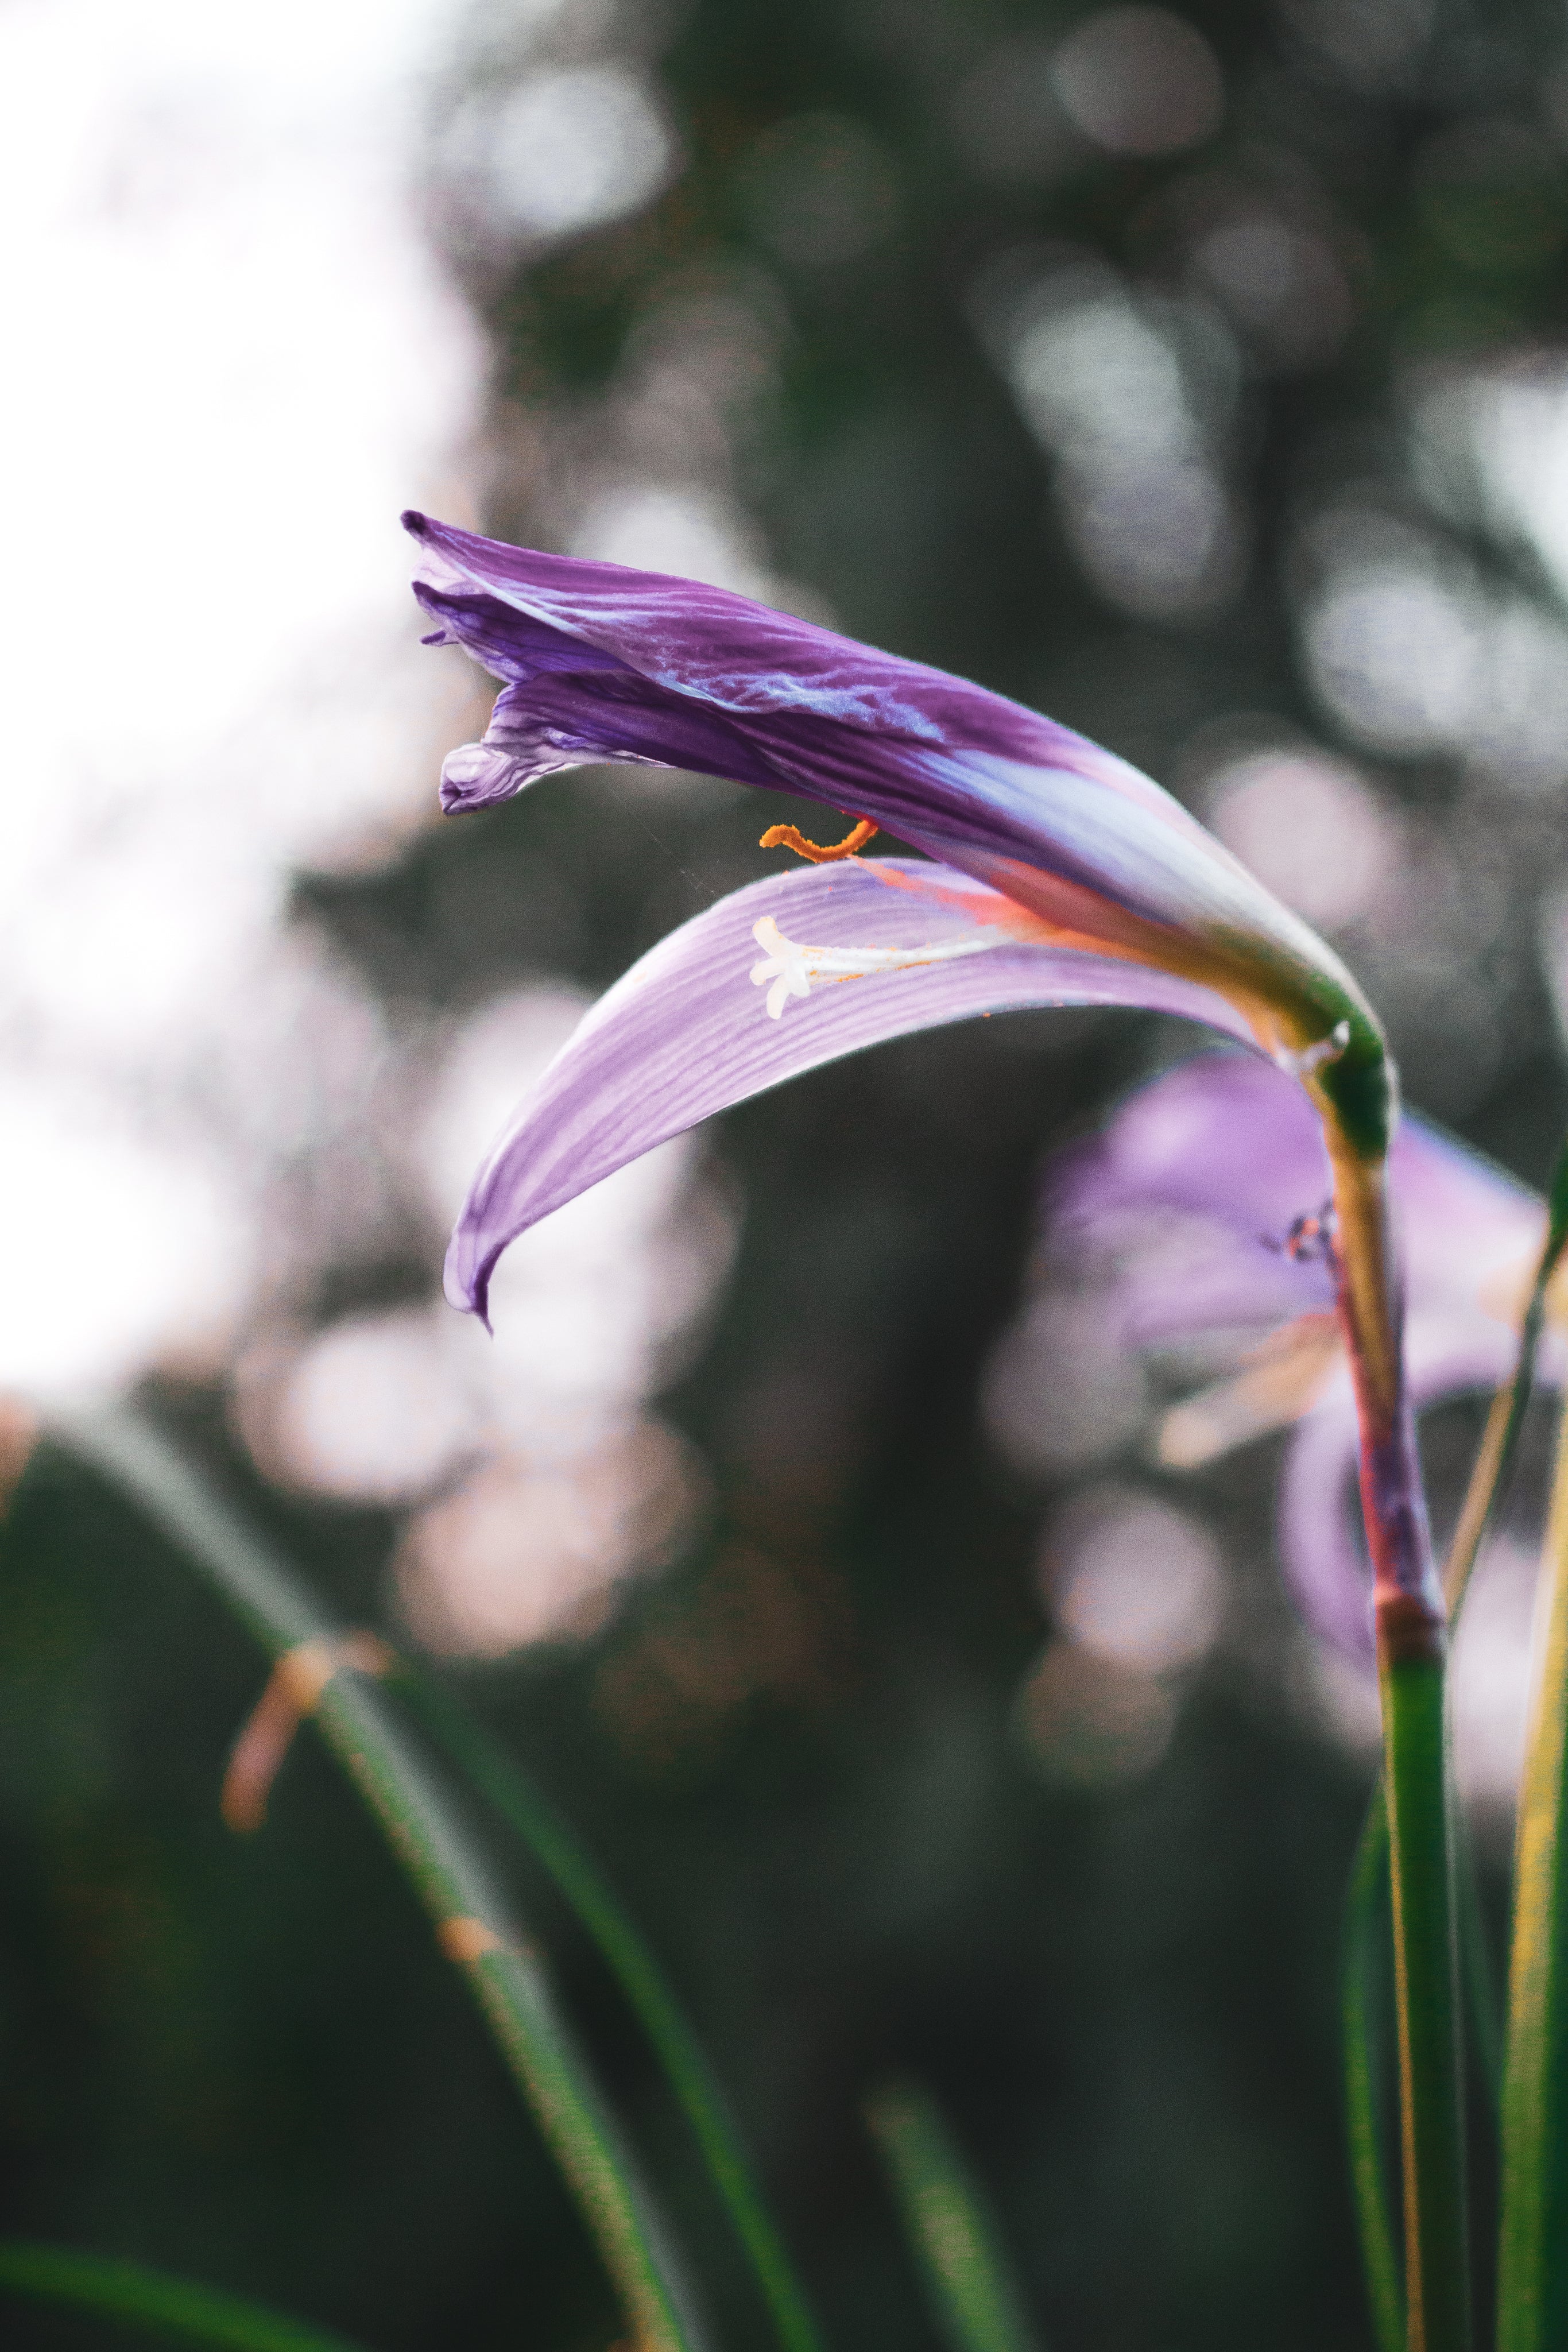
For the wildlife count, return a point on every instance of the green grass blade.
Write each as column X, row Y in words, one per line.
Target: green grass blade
column 971, row 2289
column 154, row 2302
column 450, row 1877
column 1364, row 1973
column 1532, row 2252
column 524, row 1806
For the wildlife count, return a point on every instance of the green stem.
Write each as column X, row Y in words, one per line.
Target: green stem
column 973, row 2295
column 155, row 2303
column 525, row 1807
column 1477, row 1971
column 434, row 1848
column 1532, row 2254
column 1436, row 2282
column 1363, row 1954
column 1363, row 1974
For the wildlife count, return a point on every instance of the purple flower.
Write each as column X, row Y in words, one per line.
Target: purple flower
column 604, row 663
column 1199, row 1217
column 1060, row 876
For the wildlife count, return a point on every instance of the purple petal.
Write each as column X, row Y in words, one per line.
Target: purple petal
column 687, row 1030
column 601, row 662
column 1320, row 1550
column 1220, row 1136
column 1229, row 1140
column 1468, row 1228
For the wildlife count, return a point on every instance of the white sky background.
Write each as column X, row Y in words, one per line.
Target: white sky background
column 233, row 359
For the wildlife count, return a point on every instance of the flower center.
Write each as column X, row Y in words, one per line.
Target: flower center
column 793, row 969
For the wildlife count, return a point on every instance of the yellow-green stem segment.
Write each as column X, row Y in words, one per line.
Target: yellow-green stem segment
column 1363, row 1975
column 1532, row 2250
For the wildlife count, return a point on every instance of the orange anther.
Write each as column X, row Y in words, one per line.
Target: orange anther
column 790, row 837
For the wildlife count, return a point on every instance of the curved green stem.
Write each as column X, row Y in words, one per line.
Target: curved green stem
column 626, row 1951
column 973, row 2294
column 155, row 2303
column 453, row 1882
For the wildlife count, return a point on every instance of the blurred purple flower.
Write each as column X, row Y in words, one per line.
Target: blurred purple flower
column 1199, row 1219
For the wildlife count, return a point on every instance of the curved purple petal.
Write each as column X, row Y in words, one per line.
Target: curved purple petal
column 602, row 662
column 1220, row 1136
column 1320, row 1550
column 1468, row 1228
column 1193, row 1189
column 792, row 972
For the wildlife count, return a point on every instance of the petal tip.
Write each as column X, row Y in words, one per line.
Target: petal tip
column 468, row 1292
column 476, row 776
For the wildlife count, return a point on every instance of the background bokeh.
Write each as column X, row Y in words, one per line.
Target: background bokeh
column 1196, row 375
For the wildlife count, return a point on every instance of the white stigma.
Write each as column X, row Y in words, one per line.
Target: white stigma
column 793, row 969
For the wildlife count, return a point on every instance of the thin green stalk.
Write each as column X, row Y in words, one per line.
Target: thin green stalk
column 1532, row 2252
column 529, row 1812
column 435, row 1849
column 1364, row 1973
column 1365, row 1957
column 973, row 2297
column 1436, row 2281
column 1363, row 1954
column 155, row 2303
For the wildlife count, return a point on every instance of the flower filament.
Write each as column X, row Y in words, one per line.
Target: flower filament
column 792, row 968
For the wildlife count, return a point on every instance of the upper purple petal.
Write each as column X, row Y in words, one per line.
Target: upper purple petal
column 686, row 1032
column 604, row 662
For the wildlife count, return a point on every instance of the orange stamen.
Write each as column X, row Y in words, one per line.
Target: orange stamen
column 790, row 837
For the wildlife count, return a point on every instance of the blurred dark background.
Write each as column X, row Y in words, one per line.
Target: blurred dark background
column 1195, row 374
